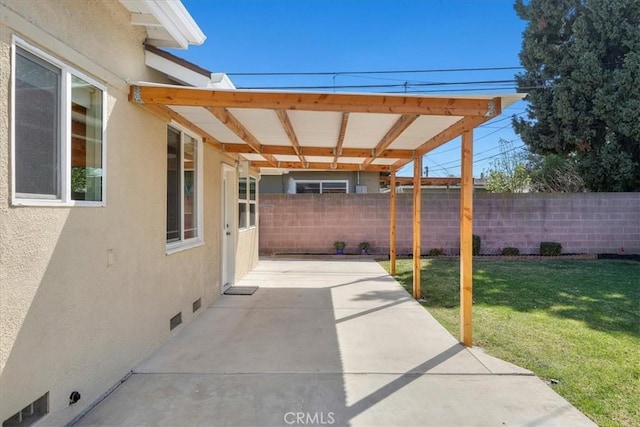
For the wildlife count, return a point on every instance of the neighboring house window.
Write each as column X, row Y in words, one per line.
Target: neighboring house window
column 321, row 187
column 58, row 132
column 184, row 188
column 247, row 202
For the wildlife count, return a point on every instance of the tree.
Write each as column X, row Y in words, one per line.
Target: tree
column 508, row 173
column 554, row 174
column 582, row 76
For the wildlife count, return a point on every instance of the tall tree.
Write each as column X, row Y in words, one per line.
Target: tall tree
column 508, row 173
column 582, row 76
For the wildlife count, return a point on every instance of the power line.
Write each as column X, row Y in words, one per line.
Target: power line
column 379, row 86
column 456, row 163
column 331, row 73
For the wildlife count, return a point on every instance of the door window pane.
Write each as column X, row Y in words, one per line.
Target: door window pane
column 37, row 118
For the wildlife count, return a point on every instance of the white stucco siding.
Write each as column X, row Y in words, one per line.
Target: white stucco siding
column 69, row 320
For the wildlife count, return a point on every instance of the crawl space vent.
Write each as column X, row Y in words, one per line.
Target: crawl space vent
column 175, row 321
column 30, row 413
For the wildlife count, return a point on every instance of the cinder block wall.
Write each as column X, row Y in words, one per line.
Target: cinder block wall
column 581, row 222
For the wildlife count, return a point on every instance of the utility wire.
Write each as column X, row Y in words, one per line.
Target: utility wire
column 378, row 86
column 331, row 73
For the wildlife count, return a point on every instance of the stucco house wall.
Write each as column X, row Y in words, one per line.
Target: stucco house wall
column 87, row 292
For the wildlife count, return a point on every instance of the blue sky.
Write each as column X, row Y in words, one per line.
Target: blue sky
column 333, row 36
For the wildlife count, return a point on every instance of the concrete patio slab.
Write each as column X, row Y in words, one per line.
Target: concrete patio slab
column 326, row 342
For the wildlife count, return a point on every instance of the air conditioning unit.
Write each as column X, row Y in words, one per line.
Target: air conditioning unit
column 361, row 189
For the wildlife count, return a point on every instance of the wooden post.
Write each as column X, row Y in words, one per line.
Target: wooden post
column 392, row 224
column 417, row 200
column 466, row 240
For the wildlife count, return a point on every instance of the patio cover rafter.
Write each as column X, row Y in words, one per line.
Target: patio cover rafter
column 288, row 128
column 341, row 134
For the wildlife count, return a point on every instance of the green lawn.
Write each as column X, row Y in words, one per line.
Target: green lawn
column 576, row 321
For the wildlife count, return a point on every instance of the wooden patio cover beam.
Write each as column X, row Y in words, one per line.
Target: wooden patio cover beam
column 321, row 166
column 315, row 151
column 403, row 180
column 304, row 101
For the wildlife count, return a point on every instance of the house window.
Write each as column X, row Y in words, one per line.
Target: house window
column 321, row 187
column 58, row 132
column 252, row 201
column 247, row 202
column 184, row 188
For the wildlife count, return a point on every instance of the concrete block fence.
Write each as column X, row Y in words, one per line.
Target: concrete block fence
column 581, row 222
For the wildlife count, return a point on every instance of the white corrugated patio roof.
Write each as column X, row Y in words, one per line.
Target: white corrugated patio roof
column 323, row 131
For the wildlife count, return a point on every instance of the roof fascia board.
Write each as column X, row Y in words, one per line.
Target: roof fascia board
column 175, row 18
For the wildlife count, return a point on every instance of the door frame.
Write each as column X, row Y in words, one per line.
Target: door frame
column 228, row 224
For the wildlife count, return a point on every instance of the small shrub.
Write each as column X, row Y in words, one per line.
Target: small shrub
column 339, row 245
column 476, row 245
column 436, row 252
column 509, row 251
column 364, row 247
column 550, row 248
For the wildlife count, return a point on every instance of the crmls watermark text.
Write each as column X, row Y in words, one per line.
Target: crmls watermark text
column 302, row 418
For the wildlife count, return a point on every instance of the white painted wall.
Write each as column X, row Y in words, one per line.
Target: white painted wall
column 69, row 321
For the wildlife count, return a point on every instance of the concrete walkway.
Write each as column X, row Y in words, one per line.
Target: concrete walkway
column 326, row 343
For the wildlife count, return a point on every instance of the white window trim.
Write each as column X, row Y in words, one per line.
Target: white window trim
column 194, row 242
column 249, row 202
column 321, row 181
column 65, row 132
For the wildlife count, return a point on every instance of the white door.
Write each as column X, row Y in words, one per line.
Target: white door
column 228, row 226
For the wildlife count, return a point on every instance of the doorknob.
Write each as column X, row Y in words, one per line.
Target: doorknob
column 228, row 233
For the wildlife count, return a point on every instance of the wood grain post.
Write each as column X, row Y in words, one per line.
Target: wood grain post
column 392, row 223
column 466, row 240
column 417, row 210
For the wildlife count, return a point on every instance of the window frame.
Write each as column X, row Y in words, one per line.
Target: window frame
column 65, row 131
column 321, row 181
column 198, row 240
column 248, row 202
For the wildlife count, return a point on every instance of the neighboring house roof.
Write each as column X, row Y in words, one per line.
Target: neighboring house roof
column 168, row 23
column 323, row 131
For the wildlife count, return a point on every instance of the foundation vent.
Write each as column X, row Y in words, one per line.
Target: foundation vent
column 30, row 414
column 197, row 304
column 175, row 321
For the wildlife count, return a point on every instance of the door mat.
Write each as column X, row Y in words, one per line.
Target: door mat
column 241, row 290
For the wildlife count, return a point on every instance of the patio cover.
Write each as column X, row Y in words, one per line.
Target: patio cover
column 322, row 131
column 341, row 131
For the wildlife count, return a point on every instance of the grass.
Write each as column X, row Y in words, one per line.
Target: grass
column 574, row 321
